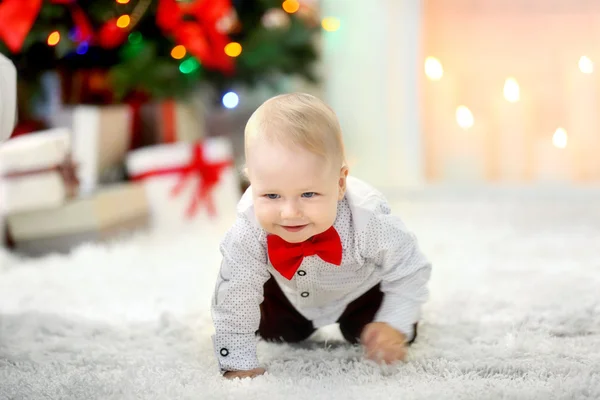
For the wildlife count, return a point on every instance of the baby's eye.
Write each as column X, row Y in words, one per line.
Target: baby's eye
column 272, row 196
column 308, row 195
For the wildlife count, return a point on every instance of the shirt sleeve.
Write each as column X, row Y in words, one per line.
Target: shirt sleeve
column 8, row 97
column 404, row 269
column 237, row 297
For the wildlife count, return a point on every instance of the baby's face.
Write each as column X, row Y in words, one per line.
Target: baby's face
column 295, row 192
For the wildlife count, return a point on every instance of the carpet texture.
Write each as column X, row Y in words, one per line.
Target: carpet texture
column 514, row 313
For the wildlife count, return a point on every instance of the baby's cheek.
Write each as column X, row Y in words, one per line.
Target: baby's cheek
column 332, row 215
column 325, row 213
column 264, row 215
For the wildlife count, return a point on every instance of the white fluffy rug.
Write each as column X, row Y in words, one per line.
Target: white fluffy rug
column 514, row 313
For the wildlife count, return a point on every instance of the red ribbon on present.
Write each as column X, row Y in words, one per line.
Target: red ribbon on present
column 168, row 115
column 199, row 32
column 67, row 169
column 17, row 18
column 209, row 175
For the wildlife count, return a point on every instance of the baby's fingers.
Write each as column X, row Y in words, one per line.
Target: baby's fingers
column 369, row 336
column 375, row 354
column 394, row 354
column 386, row 353
column 244, row 374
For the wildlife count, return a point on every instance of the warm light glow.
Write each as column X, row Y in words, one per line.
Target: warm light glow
column 330, row 24
column 464, row 117
column 178, row 52
column 560, row 138
column 586, row 65
column 290, row 6
column 123, row 21
column 433, row 68
column 53, row 38
column 512, row 92
column 233, row 49
column 122, row 1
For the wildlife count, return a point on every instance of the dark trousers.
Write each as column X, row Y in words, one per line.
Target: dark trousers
column 281, row 322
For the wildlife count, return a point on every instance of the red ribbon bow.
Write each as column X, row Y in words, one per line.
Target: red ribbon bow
column 195, row 26
column 286, row 257
column 209, row 175
column 17, row 18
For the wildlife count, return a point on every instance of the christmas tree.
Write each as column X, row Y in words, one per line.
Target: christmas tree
column 118, row 49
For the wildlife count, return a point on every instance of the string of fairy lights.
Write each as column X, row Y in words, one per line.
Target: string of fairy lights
column 232, row 49
column 512, row 93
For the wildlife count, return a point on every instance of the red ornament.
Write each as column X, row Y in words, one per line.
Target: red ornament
column 17, row 18
column 200, row 32
column 111, row 36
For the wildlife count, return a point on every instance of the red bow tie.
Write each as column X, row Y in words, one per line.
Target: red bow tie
column 287, row 257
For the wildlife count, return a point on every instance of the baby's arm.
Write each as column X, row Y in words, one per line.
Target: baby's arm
column 237, row 297
column 404, row 269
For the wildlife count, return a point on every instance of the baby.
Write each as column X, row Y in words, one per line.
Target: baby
column 312, row 246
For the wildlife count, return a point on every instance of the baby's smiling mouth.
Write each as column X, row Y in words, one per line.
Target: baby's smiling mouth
column 293, row 228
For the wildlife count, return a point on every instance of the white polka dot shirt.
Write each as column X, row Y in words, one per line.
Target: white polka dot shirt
column 376, row 248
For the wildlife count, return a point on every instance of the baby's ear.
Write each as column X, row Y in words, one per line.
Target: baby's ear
column 244, row 171
column 342, row 182
column 243, row 175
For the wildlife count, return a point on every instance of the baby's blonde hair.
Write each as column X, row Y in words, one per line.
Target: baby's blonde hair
column 298, row 119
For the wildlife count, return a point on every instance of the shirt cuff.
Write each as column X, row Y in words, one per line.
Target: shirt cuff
column 235, row 352
column 400, row 313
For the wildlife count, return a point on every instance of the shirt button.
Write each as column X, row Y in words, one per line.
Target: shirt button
column 304, row 294
column 224, row 352
column 301, row 272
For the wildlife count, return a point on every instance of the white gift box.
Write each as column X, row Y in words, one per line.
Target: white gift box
column 8, row 97
column 161, row 168
column 29, row 174
column 113, row 211
column 101, row 139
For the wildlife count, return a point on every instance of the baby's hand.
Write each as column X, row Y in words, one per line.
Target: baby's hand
column 252, row 373
column 383, row 343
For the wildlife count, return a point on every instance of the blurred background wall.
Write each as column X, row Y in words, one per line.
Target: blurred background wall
column 371, row 75
column 509, row 91
column 460, row 91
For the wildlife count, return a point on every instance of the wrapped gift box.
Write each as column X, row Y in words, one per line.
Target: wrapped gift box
column 171, row 121
column 187, row 184
column 8, row 90
column 101, row 139
column 36, row 171
column 112, row 211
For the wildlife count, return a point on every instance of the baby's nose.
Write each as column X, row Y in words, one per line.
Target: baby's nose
column 290, row 210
